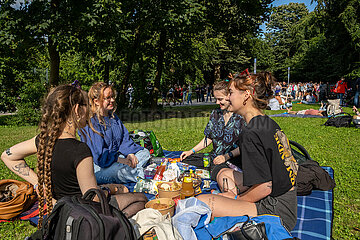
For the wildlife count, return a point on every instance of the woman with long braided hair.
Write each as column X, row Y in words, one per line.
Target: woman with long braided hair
column 63, row 161
column 65, row 165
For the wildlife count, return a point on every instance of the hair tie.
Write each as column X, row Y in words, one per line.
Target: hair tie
column 76, row 84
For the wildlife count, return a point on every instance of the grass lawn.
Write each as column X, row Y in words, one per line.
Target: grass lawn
column 180, row 129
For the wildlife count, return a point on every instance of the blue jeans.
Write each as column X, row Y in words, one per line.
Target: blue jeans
column 122, row 173
column 356, row 99
column 207, row 96
column 189, row 98
column 340, row 96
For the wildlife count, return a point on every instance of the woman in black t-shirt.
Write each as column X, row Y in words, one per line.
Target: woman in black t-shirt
column 269, row 169
column 65, row 165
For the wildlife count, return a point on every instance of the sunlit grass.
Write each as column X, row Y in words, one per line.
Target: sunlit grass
column 335, row 147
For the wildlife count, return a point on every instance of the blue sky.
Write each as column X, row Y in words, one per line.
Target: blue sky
column 276, row 3
column 307, row 3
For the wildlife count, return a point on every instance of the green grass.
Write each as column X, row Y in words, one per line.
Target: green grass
column 181, row 130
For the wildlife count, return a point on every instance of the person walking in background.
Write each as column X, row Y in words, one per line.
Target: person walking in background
column 197, row 93
column 357, row 92
column 202, row 93
column 323, row 92
column 189, row 90
column 340, row 89
column 130, row 93
column 209, row 90
column 184, row 95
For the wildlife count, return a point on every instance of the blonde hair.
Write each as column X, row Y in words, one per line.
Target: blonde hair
column 260, row 85
column 58, row 108
column 97, row 92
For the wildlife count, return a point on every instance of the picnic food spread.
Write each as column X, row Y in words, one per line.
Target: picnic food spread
column 165, row 176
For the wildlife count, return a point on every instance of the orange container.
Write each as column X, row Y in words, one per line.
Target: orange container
column 163, row 205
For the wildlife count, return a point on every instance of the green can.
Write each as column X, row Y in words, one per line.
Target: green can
column 206, row 160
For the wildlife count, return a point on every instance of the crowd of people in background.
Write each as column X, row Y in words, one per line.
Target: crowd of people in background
column 177, row 94
column 284, row 93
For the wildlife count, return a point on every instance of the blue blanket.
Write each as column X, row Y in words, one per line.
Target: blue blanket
column 315, row 211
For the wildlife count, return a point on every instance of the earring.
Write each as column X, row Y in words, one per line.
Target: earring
column 78, row 118
column 244, row 103
column 69, row 123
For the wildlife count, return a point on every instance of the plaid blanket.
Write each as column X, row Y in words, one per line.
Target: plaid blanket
column 315, row 214
column 315, row 211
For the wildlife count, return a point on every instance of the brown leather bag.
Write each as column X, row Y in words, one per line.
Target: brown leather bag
column 15, row 197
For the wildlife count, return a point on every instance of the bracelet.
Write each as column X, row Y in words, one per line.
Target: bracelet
column 35, row 186
column 193, row 150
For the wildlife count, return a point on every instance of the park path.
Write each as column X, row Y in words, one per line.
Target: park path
column 194, row 103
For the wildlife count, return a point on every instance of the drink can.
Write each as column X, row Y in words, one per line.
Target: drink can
column 206, row 160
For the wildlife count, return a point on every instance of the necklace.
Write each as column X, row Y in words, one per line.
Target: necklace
column 69, row 133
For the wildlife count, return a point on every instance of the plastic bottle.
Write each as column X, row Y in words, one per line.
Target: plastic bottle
column 206, row 160
column 187, row 189
column 160, row 171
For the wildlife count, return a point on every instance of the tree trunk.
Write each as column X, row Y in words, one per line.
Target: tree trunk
column 131, row 56
column 106, row 74
column 159, row 67
column 54, row 63
column 53, row 52
column 217, row 72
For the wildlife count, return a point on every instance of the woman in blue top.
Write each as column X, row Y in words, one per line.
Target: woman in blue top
column 117, row 159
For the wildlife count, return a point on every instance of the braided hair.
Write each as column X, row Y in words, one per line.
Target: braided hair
column 58, row 110
column 260, row 85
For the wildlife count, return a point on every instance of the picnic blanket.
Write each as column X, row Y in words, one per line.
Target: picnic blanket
column 315, row 211
column 296, row 115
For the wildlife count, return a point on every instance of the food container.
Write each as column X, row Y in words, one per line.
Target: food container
column 169, row 190
column 149, row 173
column 163, row 205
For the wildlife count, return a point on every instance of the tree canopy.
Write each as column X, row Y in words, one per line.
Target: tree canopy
column 45, row 43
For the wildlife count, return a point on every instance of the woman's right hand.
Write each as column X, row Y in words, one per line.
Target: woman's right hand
column 185, row 154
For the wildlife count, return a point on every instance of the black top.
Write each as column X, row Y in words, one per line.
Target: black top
column 67, row 154
column 266, row 156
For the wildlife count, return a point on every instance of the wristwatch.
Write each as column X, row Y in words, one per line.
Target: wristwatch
column 230, row 154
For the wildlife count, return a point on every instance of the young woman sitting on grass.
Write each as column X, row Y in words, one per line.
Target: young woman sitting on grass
column 223, row 131
column 117, row 158
column 65, row 165
column 269, row 169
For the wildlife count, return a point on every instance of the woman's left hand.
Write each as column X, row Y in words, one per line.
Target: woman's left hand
column 133, row 159
column 219, row 159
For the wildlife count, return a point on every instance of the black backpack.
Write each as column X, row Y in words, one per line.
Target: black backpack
column 300, row 154
column 339, row 120
column 81, row 218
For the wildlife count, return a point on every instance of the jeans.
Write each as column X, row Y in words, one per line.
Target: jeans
column 122, row 173
column 207, row 96
column 340, row 96
column 189, row 98
column 356, row 99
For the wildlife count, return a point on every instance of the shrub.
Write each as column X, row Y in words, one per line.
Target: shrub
column 29, row 103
